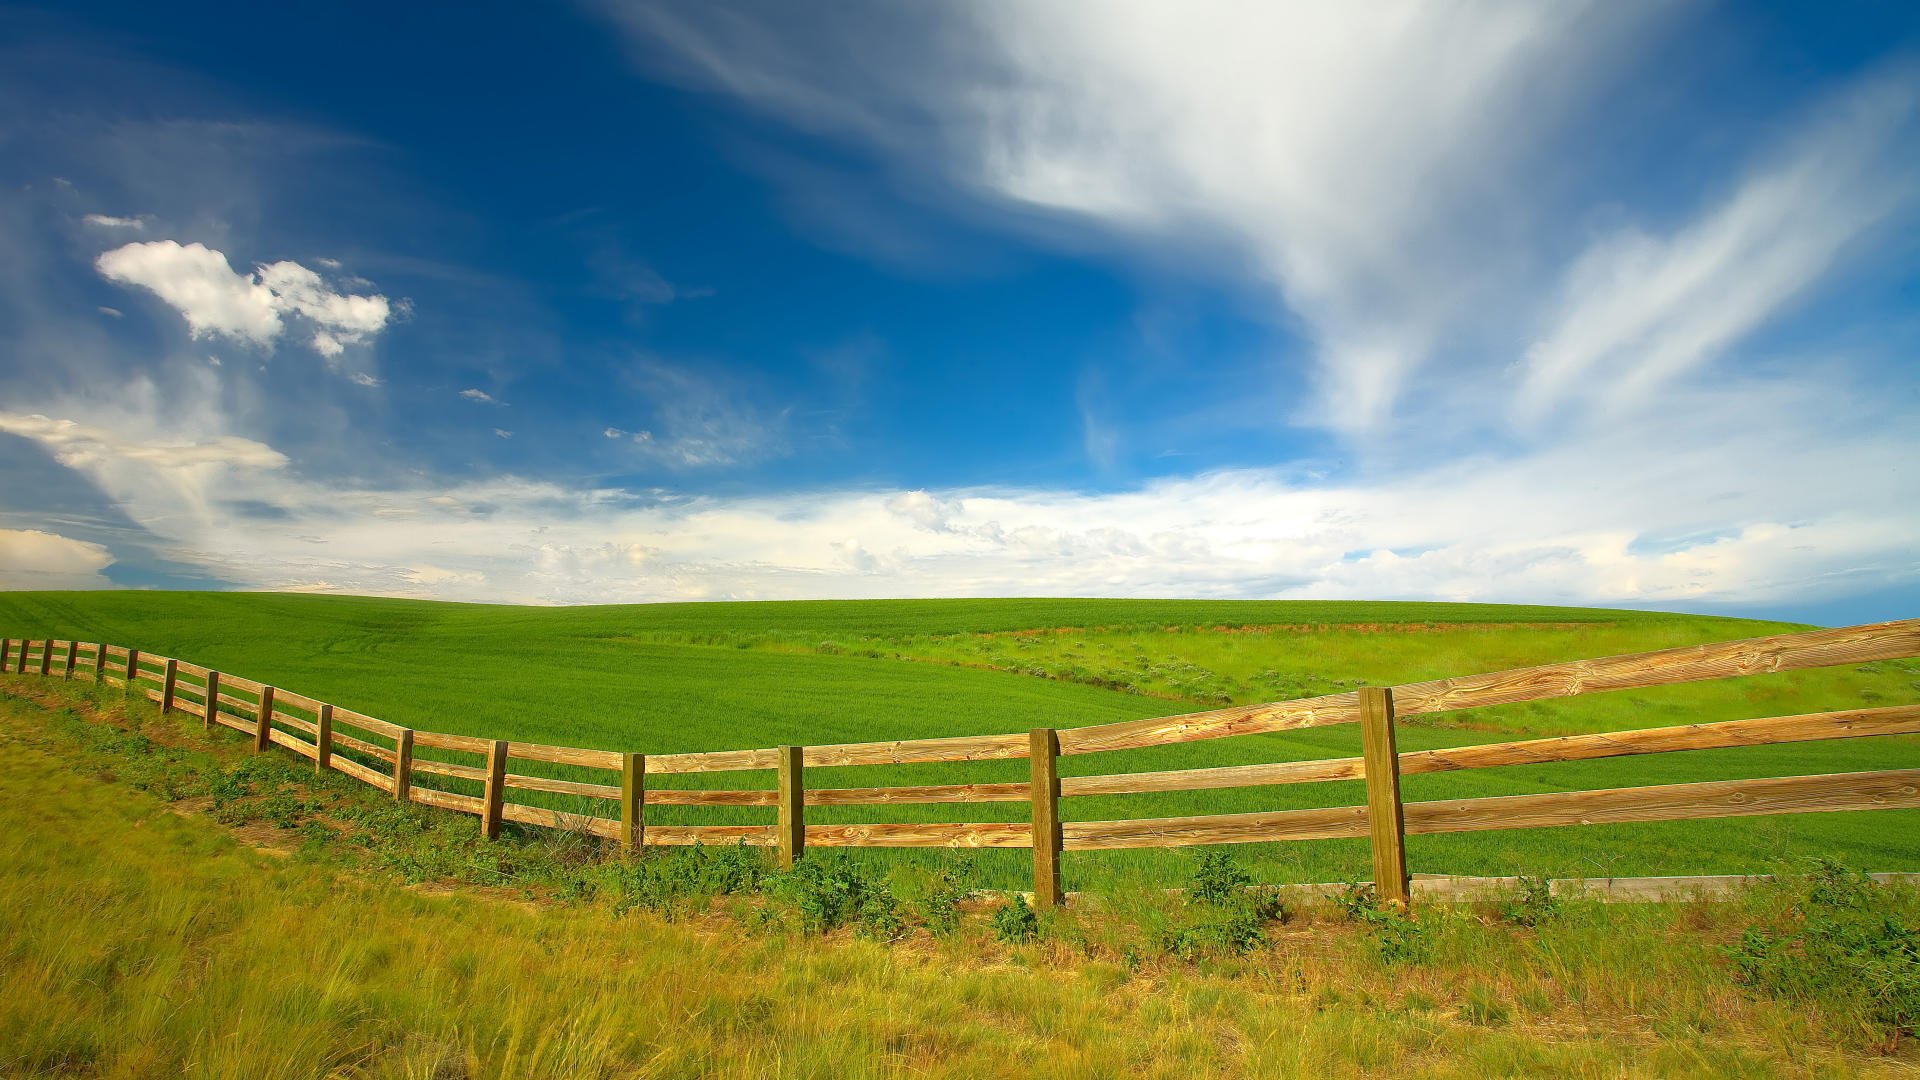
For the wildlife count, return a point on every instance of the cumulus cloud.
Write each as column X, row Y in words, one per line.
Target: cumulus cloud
column 199, row 283
column 31, row 559
column 476, row 394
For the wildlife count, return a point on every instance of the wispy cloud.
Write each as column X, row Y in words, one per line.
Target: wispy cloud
column 476, row 394
column 702, row 420
column 1639, row 310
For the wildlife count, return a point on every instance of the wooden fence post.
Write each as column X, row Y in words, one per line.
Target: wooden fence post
column 323, row 739
column 633, row 801
column 1043, row 751
column 168, row 685
column 73, row 657
column 133, row 667
column 1386, row 820
column 213, row 700
column 99, row 661
column 792, row 830
column 263, row 726
column 496, row 789
column 46, row 656
column 403, row 765
column 6, row 654
column 26, row 646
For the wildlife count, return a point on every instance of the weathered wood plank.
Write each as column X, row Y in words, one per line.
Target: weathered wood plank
column 1693, row 663
column 932, row 793
column 263, row 714
column 362, row 746
column 67, row 663
column 1213, row 724
column 293, row 742
column 235, row 682
column 447, row 800
column 441, row 741
column 713, row 761
column 1671, row 802
column 360, row 772
column 684, row 835
column 989, row 834
column 1271, row 826
column 567, row 755
column 690, row 797
column 447, row 768
column 558, row 819
column 563, row 787
column 292, row 721
column 1763, row 731
column 365, row 722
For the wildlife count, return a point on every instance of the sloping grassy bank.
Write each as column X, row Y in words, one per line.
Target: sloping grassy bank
column 177, row 908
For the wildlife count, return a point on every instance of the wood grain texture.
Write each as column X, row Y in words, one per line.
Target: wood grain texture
column 440, row 741
column 170, row 683
column 688, row 797
column 496, row 789
column 361, row 746
column 1386, row 827
column 713, row 761
column 293, row 742
column 988, row 834
column 1213, row 724
column 237, row 723
column 192, row 671
column 360, row 772
column 1043, row 835
column 567, row 755
column 191, row 708
column 1275, row 825
column 447, row 800
column 364, row 722
column 235, row 682
column 563, row 787
column 1693, row 663
column 285, row 697
column 791, row 810
column 557, row 819
column 1671, row 802
column 280, row 717
column 446, row 768
column 931, row 793
column 686, row 835
column 68, row 663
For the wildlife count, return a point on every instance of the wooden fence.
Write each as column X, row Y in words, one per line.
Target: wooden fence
column 382, row 754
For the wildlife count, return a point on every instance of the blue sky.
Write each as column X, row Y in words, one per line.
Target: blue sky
column 1600, row 304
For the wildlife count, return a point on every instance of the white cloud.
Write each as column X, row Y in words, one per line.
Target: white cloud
column 106, row 221
column 1764, row 493
column 111, row 313
column 476, row 394
column 31, row 559
column 704, row 421
column 1356, row 157
column 361, row 378
column 503, row 433
column 203, row 287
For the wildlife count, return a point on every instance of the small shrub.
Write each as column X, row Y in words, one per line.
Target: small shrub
column 828, row 892
column 1847, row 945
column 1532, row 904
column 1397, row 937
column 939, row 904
column 1014, row 921
column 1217, row 879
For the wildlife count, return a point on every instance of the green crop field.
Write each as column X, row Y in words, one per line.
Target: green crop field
column 666, row 678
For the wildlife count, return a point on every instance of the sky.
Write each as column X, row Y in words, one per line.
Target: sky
column 1605, row 303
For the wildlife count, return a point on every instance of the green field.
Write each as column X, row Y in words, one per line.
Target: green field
column 666, row 678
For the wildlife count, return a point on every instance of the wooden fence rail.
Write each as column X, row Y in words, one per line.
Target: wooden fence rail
column 384, row 755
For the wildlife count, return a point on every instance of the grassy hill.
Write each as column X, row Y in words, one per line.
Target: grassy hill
column 664, row 678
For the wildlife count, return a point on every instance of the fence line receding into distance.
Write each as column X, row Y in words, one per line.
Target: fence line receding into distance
column 381, row 754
